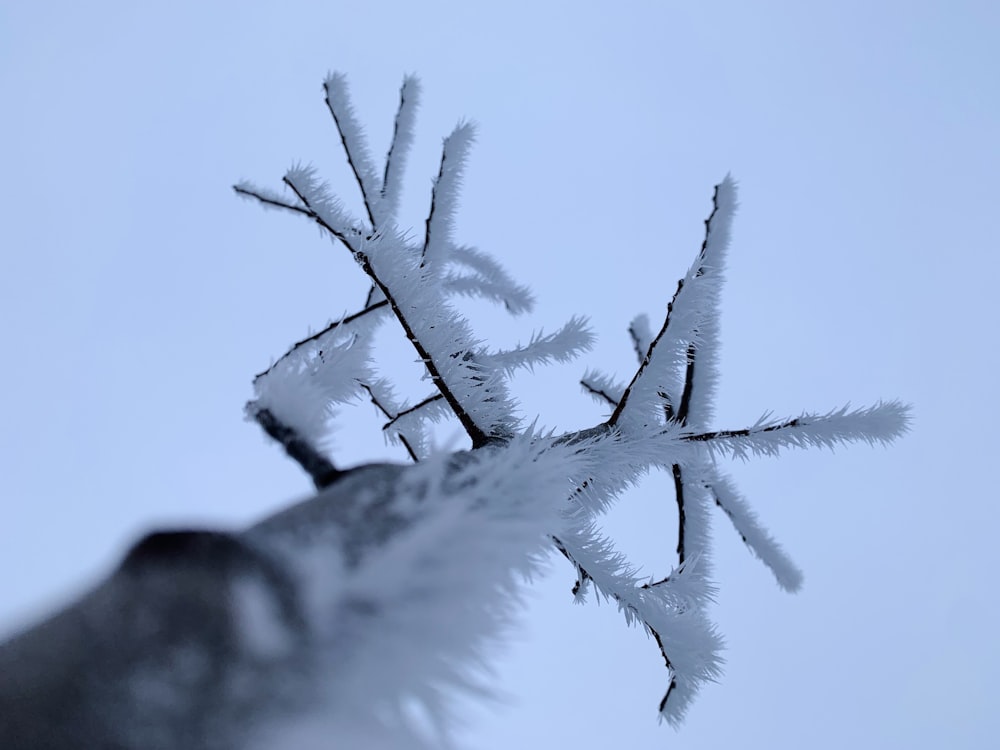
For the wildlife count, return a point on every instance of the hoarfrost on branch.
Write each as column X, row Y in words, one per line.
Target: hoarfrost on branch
column 335, row 616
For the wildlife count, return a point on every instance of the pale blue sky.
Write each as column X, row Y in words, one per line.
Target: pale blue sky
column 139, row 296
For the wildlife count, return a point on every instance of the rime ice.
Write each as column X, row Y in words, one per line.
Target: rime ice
column 353, row 617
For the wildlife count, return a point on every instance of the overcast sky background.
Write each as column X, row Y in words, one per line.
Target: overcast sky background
column 139, row 296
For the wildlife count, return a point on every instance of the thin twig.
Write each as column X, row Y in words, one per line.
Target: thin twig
column 430, row 213
column 378, row 404
column 729, row 514
column 399, row 435
column 685, row 405
column 316, row 465
column 395, row 137
column 583, row 575
column 670, row 306
column 478, row 436
column 320, row 334
column 350, row 158
column 273, row 202
column 410, row 410
column 636, row 343
column 613, row 419
column 681, row 515
column 598, row 392
column 745, row 432
column 409, row 448
column 319, row 219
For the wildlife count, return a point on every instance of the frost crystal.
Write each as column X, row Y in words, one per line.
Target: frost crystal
column 351, row 618
column 662, row 418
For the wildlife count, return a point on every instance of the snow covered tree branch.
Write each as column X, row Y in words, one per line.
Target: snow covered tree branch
column 327, row 622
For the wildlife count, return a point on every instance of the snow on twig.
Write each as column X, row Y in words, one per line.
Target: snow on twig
column 399, row 149
column 338, row 101
column 756, row 537
column 440, row 223
column 485, row 278
column 391, row 584
column 563, row 345
column 660, row 419
column 880, row 424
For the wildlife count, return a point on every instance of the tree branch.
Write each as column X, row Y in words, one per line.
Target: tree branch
column 348, row 128
column 316, row 336
column 478, row 436
column 412, row 409
column 317, row 466
column 583, row 576
column 613, row 419
column 594, row 390
column 745, row 432
column 271, row 200
column 440, row 217
column 339, row 234
column 402, row 137
column 681, row 515
column 684, row 406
